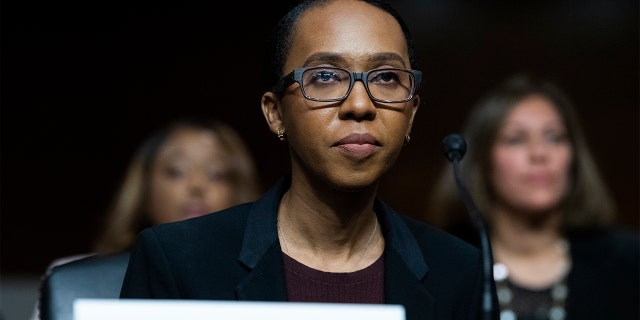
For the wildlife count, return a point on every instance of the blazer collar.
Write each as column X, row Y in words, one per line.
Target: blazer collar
column 405, row 268
column 262, row 230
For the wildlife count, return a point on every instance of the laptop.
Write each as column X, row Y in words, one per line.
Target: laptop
column 159, row 309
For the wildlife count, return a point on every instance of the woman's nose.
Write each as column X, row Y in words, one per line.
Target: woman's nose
column 358, row 104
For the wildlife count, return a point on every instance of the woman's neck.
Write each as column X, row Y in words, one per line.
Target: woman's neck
column 329, row 230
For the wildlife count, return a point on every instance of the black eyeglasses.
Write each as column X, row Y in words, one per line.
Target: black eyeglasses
column 329, row 84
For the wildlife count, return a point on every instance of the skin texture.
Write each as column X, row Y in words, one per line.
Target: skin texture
column 328, row 211
column 531, row 171
column 189, row 177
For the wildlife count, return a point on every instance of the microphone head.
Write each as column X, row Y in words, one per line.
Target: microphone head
column 454, row 147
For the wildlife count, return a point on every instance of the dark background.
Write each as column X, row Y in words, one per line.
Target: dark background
column 83, row 83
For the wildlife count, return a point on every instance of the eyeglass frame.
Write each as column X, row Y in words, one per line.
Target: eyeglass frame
column 295, row 76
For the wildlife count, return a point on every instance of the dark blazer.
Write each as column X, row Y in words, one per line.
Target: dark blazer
column 234, row 254
column 604, row 281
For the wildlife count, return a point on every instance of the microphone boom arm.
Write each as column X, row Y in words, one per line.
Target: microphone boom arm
column 454, row 149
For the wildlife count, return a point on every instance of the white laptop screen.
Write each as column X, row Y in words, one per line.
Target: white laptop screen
column 154, row 309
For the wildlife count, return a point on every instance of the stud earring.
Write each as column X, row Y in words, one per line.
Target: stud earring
column 280, row 134
column 406, row 140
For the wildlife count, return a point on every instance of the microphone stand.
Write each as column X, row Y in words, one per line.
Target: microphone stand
column 454, row 149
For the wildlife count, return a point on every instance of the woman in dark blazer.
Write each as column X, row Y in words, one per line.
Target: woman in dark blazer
column 235, row 255
column 342, row 93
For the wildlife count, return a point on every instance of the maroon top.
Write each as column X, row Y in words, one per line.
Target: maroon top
column 305, row 284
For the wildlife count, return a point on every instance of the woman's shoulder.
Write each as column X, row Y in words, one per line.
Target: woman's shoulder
column 606, row 236
column 613, row 243
column 428, row 236
column 433, row 239
column 221, row 223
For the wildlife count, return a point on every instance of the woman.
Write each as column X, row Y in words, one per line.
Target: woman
column 530, row 171
column 342, row 94
column 189, row 168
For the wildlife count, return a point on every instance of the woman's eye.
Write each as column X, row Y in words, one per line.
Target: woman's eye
column 217, row 176
column 384, row 77
column 175, row 172
column 513, row 140
column 556, row 138
column 325, row 76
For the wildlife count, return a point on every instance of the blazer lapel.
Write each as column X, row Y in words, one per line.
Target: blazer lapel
column 266, row 281
column 261, row 253
column 402, row 287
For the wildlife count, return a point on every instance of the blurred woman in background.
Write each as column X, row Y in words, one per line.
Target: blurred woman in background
column 550, row 216
column 189, row 168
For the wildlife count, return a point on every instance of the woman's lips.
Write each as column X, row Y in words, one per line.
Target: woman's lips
column 358, row 145
column 539, row 179
column 358, row 150
column 195, row 210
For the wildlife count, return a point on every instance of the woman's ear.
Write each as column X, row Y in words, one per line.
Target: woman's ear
column 416, row 104
column 272, row 111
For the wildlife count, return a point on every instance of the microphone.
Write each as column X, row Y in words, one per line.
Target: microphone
column 454, row 149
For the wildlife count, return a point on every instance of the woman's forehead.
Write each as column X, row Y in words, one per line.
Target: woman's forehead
column 352, row 29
